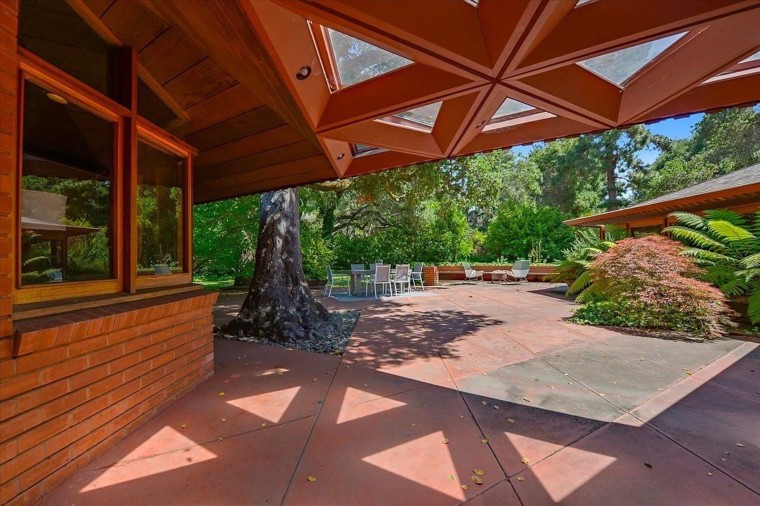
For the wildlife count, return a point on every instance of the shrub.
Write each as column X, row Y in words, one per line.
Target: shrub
column 518, row 229
column 647, row 283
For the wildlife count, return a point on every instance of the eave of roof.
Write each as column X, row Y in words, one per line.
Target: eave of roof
column 737, row 187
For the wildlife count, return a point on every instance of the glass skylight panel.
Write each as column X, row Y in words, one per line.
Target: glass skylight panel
column 358, row 61
column 509, row 108
column 753, row 57
column 425, row 115
column 581, row 2
column 619, row 66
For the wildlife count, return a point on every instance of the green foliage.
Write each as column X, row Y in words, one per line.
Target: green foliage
column 517, row 228
column 224, row 240
column 728, row 249
column 647, row 283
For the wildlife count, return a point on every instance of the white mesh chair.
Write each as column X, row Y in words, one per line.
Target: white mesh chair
column 471, row 274
column 382, row 277
column 416, row 276
column 519, row 271
column 402, row 279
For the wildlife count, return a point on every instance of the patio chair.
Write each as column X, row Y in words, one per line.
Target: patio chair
column 519, row 271
column 381, row 277
column 330, row 281
column 471, row 274
column 357, row 276
column 402, row 278
column 416, row 276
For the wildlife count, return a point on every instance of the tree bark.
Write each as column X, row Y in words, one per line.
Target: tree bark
column 611, row 176
column 279, row 305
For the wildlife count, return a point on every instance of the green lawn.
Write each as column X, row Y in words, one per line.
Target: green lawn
column 215, row 284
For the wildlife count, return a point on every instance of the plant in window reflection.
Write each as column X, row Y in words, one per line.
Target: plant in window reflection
column 159, row 212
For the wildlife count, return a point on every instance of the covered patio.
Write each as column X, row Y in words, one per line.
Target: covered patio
column 431, row 389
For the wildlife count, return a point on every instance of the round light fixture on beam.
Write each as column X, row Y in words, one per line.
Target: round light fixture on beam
column 303, row 73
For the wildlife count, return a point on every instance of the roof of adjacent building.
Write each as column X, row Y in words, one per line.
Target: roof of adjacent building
column 738, row 187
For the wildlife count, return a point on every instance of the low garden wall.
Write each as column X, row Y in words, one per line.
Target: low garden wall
column 456, row 272
column 73, row 385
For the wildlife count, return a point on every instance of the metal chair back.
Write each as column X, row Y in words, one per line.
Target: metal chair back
column 382, row 274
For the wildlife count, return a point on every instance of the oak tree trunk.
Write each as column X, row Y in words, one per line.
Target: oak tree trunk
column 279, row 305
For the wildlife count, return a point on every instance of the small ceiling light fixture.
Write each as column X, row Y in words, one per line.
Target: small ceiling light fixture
column 480, row 124
column 56, row 98
column 303, row 73
column 340, row 156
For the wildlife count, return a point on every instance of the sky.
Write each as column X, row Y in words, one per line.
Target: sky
column 674, row 128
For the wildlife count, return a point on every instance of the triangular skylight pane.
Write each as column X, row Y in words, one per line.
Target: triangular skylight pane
column 511, row 107
column 753, row 57
column 357, row 61
column 619, row 66
column 425, row 115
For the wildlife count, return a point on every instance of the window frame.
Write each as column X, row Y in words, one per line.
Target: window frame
column 41, row 73
column 157, row 138
column 129, row 129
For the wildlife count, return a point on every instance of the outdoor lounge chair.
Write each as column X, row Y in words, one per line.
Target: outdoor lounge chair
column 470, row 273
column 330, row 281
column 519, row 271
column 416, row 276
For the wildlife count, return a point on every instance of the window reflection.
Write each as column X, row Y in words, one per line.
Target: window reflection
column 160, row 192
column 66, row 191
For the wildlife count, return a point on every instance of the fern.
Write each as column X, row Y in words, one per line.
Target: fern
column 730, row 232
column 695, row 237
column 726, row 215
column 753, row 310
column 690, row 220
column 583, row 281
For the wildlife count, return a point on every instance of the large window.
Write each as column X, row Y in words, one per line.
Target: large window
column 104, row 201
column 160, row 211
column 67, row 183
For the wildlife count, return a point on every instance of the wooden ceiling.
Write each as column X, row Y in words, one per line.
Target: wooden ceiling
column 227, row 69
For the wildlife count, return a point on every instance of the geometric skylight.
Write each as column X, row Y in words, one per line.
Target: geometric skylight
column 619, row 66
column 753, row 57
column 510, row 107
column 581, row 2
column 358, row 61
column 424, row 115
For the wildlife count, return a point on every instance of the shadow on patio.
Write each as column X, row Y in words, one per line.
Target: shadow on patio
column 407, row 414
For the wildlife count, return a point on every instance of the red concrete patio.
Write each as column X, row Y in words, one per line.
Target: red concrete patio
column 430, row 389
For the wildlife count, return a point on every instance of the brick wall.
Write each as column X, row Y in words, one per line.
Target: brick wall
column 8, row 85
column 73, row 385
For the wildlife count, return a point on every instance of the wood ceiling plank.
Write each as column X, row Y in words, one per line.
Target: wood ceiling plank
column 279, row 136
column 222, row 30
column 257, row 174
column 98, row 7
column 220, row 107
column 390, row 136
column 198, row 83
column 133, row 23
column 260, row 160
column 257, row 120
column 169, row 55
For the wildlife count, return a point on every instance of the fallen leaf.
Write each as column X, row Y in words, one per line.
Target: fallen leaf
column 648, row 465
column 525, row 460
column 484, row 440
column 221, row 394
column 496, row 407
column 709, row 473
column 520, row 478
column 311, row 477
column 183, row 426
column 479, row 472
column 366, row 385
column 484, row 403
column 220, row 438
column 413, row 425
column 510, row 420
column 526, row 399
column 445, row 441
column 465, row 487
column 451, row 476
column 264, row 424
column 314, row 379
column 740, row 445
column 723, row 459
column 476, row 479
column 224, row 419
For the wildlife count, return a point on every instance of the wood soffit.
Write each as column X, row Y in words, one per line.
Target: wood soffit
column 227, row 68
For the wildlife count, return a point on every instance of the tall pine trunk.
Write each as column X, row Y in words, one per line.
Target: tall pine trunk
column 279, row 305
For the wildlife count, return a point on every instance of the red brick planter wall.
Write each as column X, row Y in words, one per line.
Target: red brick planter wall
column 456, row 272
column 73, row 385
column 430, row 275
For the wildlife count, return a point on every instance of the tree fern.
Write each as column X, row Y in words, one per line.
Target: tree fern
column 695, row 237
column 753, row 299
column 729, row 232
column 725, row 215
